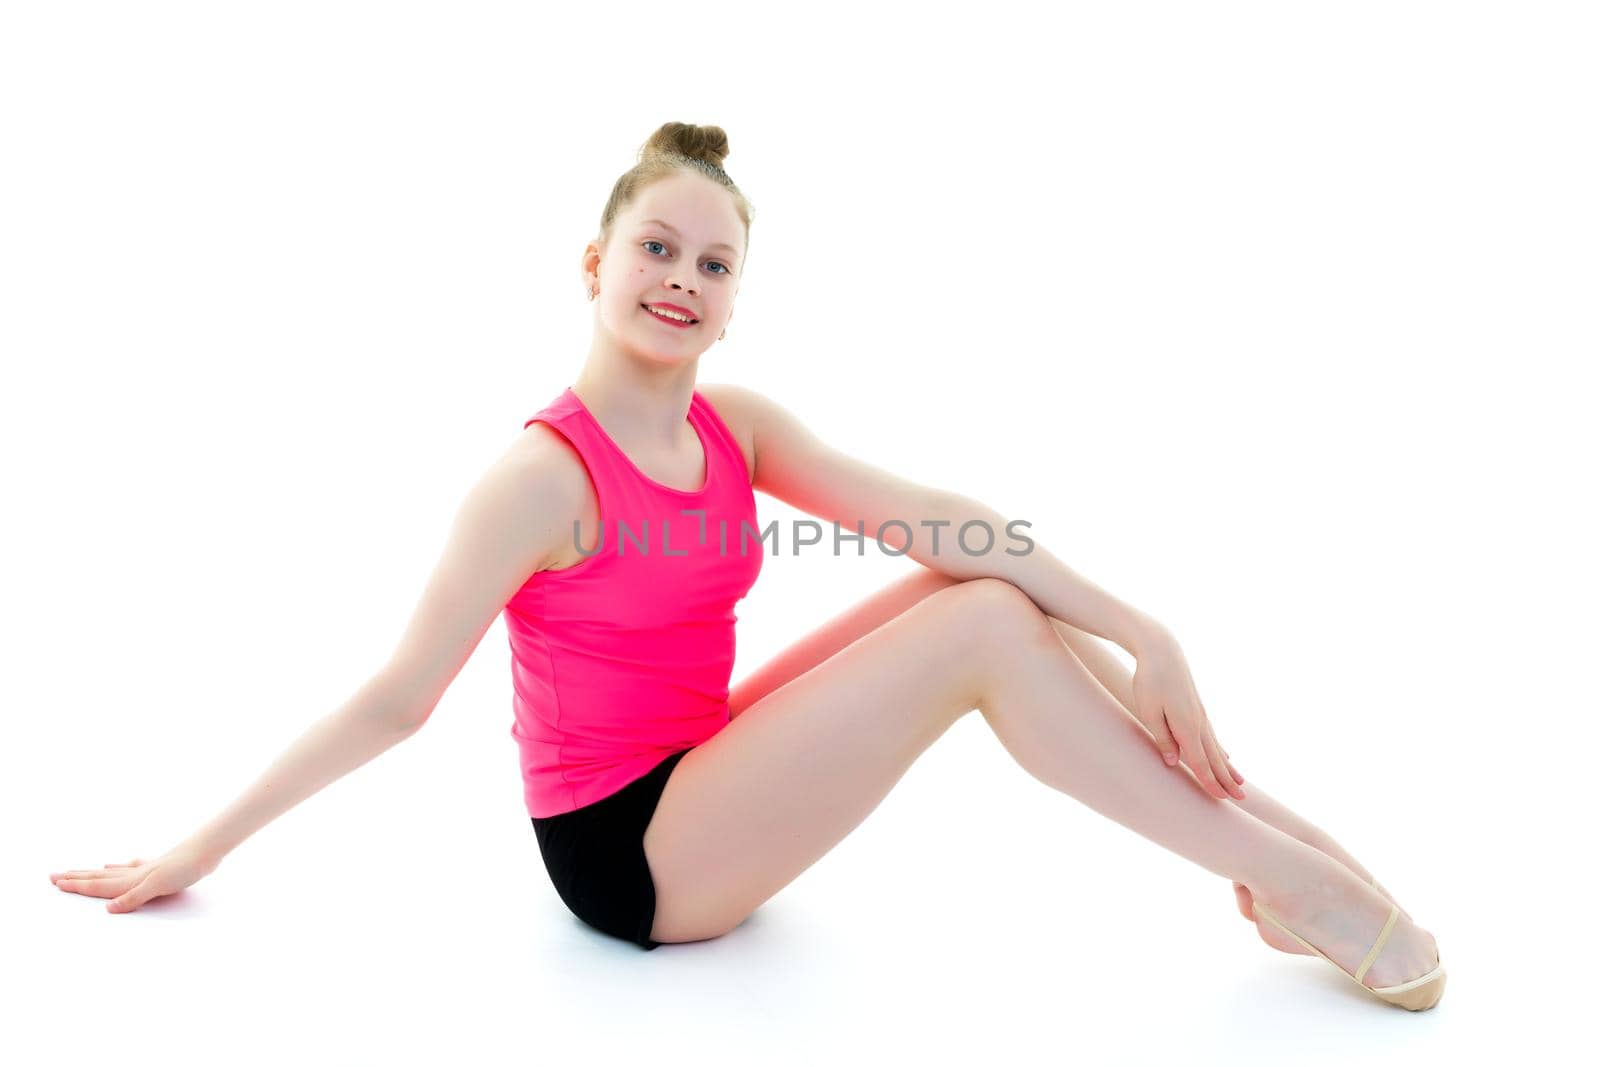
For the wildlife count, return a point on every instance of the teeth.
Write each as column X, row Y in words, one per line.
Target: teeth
column 670, row 314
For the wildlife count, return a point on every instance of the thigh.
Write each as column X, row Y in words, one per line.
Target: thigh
column 855, row 622
column 750, row 809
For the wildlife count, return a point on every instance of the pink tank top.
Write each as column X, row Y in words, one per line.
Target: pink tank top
column 624, row 658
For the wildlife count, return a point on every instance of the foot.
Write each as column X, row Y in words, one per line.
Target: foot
column 1275, row 937
column 1269, row 933
column 1242, row 895
column 1343, row 916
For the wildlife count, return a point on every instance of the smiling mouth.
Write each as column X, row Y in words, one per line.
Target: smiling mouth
column 669, row 318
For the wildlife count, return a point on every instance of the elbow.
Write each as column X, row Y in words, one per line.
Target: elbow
column 398, row 699
column 964, row 537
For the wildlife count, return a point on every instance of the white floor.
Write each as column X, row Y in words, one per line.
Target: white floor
column 945, row 928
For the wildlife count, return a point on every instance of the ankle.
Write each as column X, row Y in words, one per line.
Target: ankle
column 1329, row 847
column 1300, row 874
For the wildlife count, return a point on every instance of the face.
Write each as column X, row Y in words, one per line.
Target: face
column 680, row 242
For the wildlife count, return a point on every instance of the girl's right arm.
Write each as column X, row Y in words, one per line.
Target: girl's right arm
column 509, row 526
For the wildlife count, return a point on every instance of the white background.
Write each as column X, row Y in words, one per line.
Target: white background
column 1274, row 319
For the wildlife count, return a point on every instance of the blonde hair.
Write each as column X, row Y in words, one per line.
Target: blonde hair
column 676, row 147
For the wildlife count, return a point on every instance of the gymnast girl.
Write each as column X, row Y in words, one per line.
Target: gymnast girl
column 618, row 532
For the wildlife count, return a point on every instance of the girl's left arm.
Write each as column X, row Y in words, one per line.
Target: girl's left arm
column 1010, row 554
column 930, row 525
column 936, row 526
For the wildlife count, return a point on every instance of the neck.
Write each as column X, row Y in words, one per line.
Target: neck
column 645, row 405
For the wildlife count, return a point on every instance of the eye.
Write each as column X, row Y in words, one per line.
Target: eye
column 725, row 268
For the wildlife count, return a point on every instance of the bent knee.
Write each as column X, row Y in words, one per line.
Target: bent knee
column 1003, row 614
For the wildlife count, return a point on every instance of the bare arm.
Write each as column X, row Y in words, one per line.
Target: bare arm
column 793, row 465
column 508, row 526
column 371, row 722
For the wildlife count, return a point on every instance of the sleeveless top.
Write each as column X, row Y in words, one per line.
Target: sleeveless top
column 624, row 658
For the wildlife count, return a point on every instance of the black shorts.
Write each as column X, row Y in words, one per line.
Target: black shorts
column 595, row 856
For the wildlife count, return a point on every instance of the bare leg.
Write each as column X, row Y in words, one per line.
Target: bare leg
column 1065, row 730
column 1118, row 681
column 892, row 600
column 753, row 807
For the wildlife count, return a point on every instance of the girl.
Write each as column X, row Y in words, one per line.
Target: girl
column 618, row 532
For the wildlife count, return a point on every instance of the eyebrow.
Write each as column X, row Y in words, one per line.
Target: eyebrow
column 665, row 225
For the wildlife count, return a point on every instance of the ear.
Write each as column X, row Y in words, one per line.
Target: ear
column 589, row 266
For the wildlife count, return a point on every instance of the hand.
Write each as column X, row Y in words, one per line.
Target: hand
column 133, row 883
column 1167, row 705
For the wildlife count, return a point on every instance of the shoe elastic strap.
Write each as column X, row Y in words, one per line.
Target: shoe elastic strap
column 1377, row 947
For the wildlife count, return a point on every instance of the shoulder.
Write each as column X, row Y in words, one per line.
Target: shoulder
column 546, row 476
column 742, row 410
column 752, row 414
column 542, row 454
column 763, row 426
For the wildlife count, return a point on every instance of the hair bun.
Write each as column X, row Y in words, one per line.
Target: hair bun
column 706, row 143
column 675, row 148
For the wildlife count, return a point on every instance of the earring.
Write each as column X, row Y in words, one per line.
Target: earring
column 591, row 292
column 723, row 336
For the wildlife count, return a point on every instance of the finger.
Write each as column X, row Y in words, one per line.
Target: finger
column 92, row 887
column 1216, row 764
column 89, row 874
column 136, row 895
column 1165, row 744
column 1187, row 750
column 1194, row 752
column 1227, row 760
column 1219, row 765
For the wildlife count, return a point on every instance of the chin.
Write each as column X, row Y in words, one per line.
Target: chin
column 669, row 357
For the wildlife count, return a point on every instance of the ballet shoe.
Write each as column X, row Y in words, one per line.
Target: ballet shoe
column 1419, row 994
